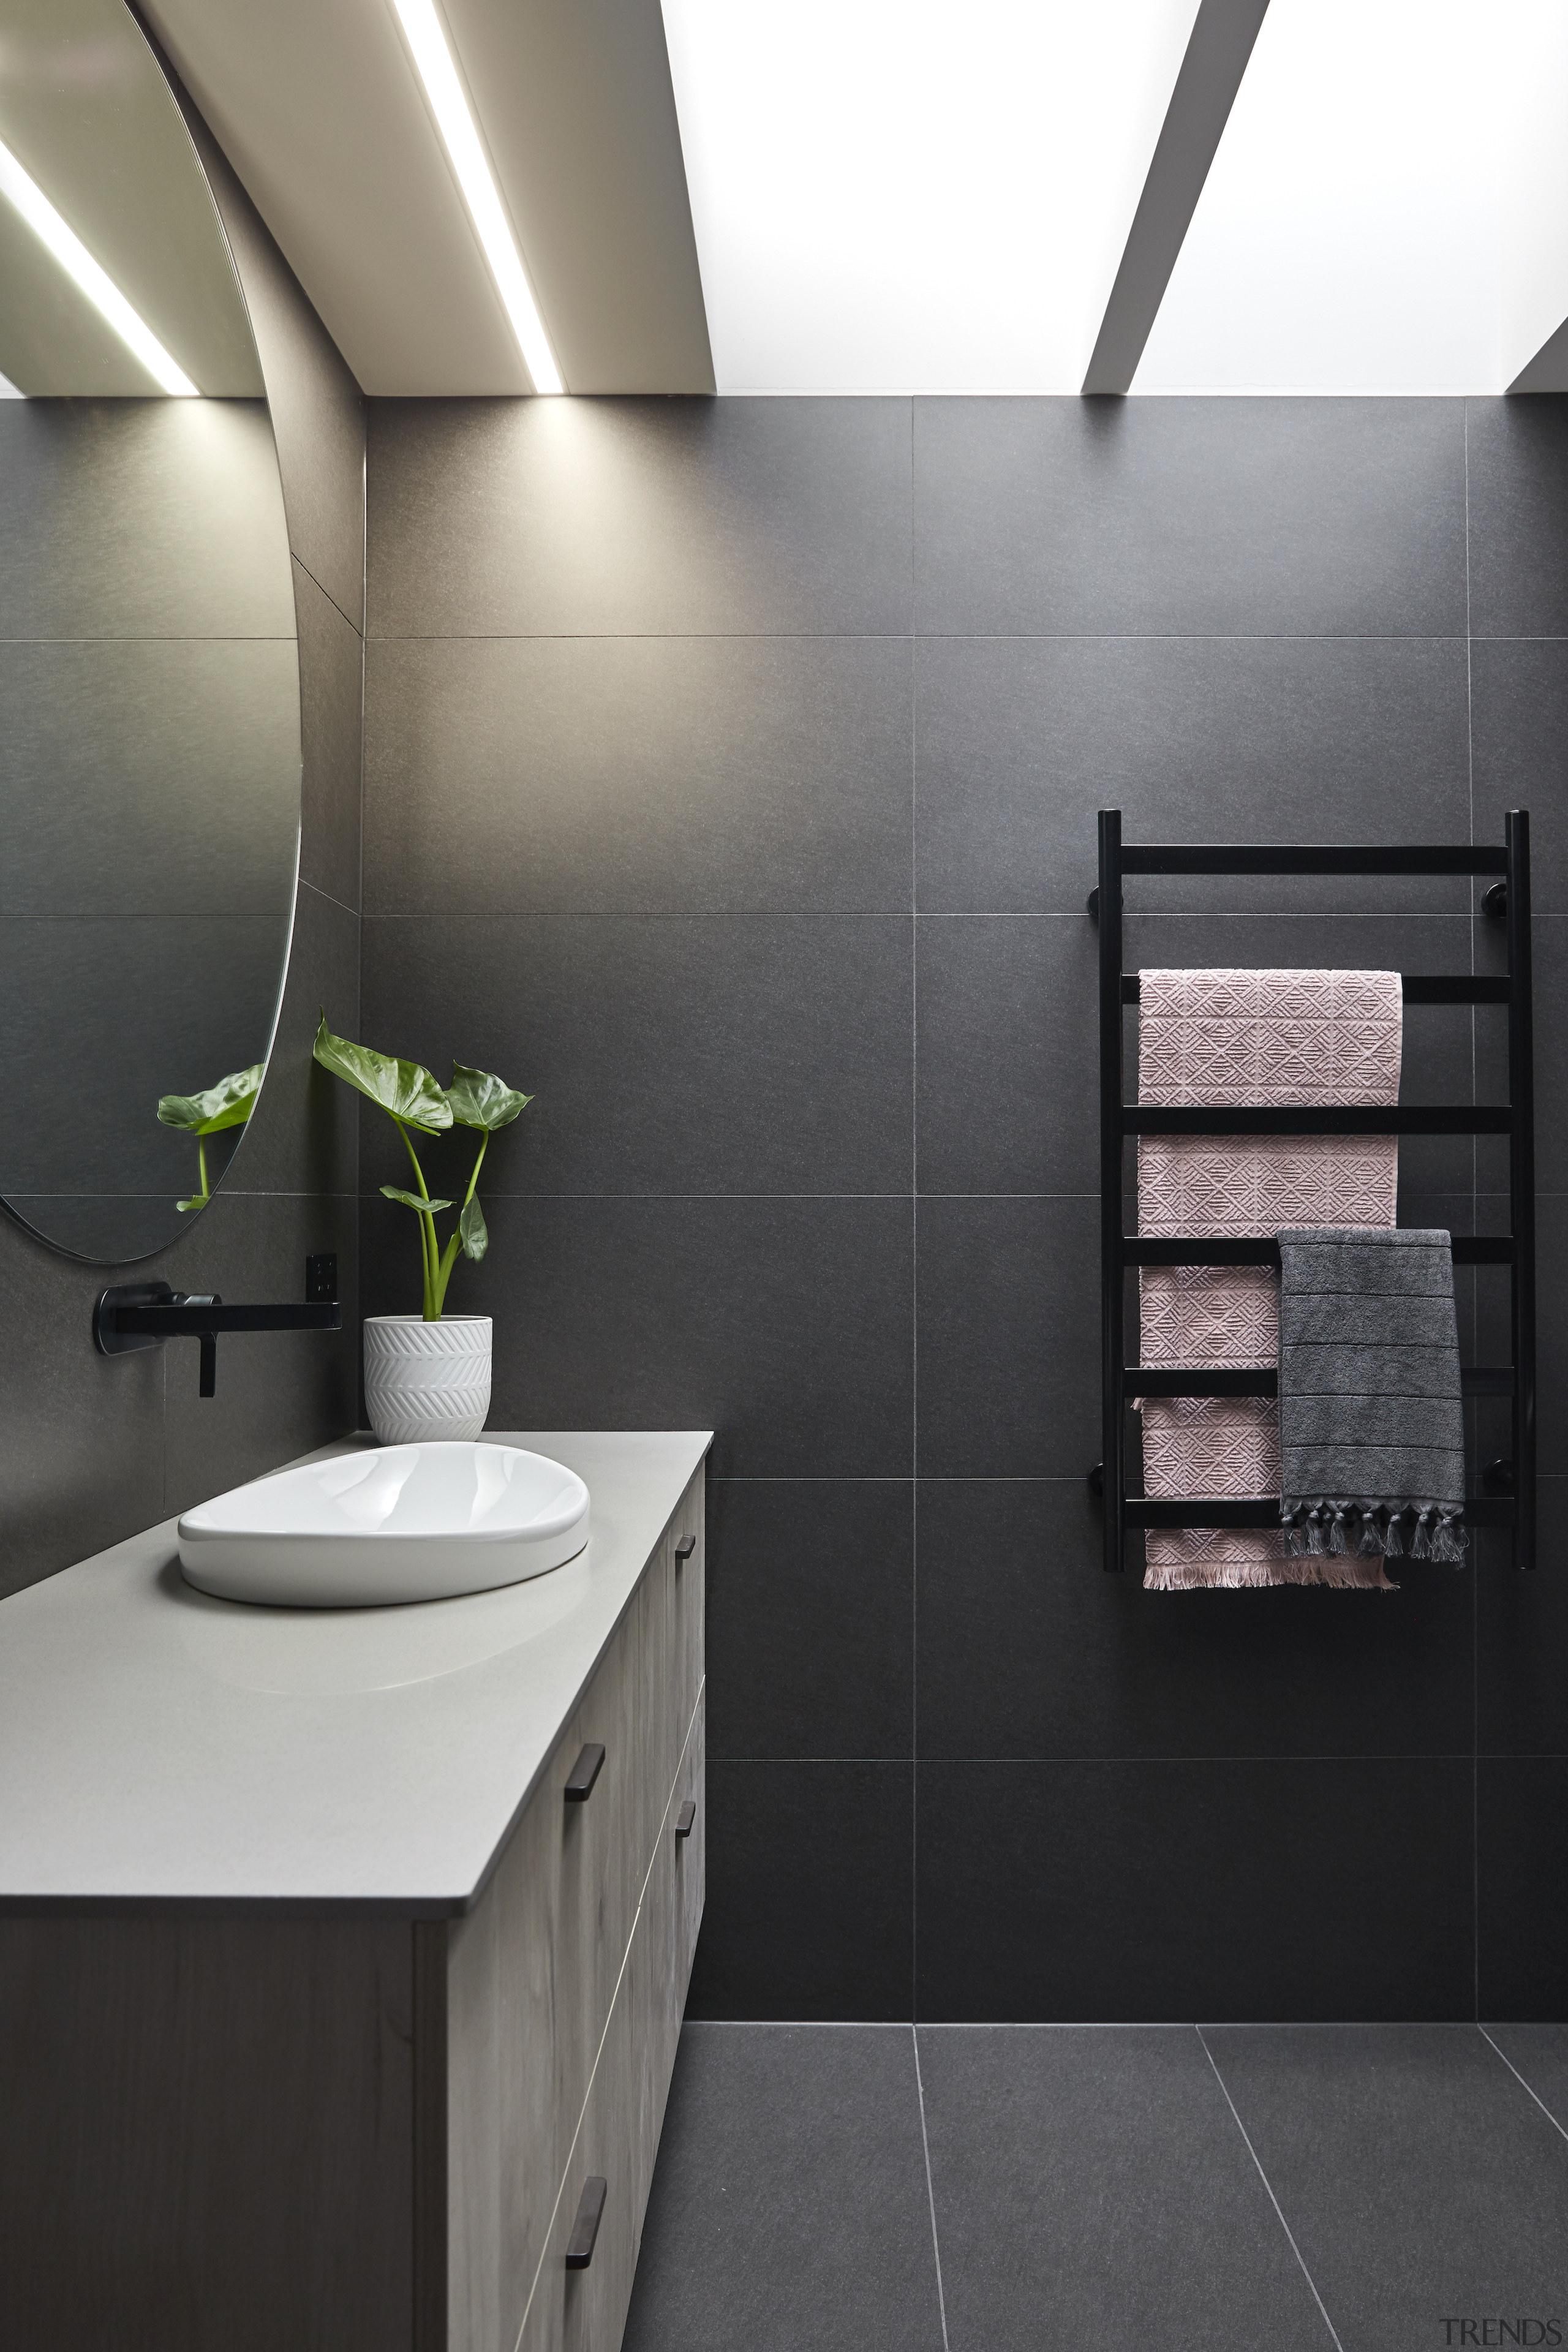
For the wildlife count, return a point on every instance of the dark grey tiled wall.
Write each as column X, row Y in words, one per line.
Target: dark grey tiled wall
column 730, row 777
column 95, row 1448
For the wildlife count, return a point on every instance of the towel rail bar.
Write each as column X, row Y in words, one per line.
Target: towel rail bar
column 1263, row 1511
column 1263, row 1380
column 1414, row 858
column 1317, row 1118
column 1230, row 1249
column 1118, row 1119
column 1418, row 988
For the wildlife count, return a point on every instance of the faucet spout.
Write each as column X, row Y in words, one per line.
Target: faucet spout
column 143, row 1314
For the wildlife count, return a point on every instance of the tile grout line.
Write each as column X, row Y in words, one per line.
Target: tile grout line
column 1268, row 2185
column 930, row 2185
column 1475, row 1224
column 1519, row 2078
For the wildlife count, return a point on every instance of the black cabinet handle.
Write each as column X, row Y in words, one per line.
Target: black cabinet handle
column 585, row 2228
column 585, row 1772
column 685, row 1547
column 684, row 1819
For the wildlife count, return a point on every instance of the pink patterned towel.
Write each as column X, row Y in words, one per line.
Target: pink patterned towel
column 1248, row 1037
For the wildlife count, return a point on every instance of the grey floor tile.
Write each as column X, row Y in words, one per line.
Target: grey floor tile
column 1540, row 2054
column 1093, row 2193
column 789, row 2207
column 1419, row 2180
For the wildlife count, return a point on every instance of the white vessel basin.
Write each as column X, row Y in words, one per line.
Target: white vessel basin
column 399, row 1523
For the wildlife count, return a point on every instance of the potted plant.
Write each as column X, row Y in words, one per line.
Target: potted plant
column 428, row 1375
column 228, row 1104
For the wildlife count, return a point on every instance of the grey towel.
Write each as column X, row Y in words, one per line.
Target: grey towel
column 1372, row 1434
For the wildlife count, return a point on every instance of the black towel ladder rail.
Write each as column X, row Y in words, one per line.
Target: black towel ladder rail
column 1119, row 1119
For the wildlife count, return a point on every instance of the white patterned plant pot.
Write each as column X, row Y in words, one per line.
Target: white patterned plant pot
column 426, row 1381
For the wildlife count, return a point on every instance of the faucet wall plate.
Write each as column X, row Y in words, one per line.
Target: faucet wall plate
column 111, row 1341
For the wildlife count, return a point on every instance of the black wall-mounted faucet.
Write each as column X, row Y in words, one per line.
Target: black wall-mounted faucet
column 143, row 1314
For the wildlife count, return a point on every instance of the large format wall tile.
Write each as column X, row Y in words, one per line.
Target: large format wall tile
column 783, row 1325
column 649, row 719
column 1522, row 1837
column 810, row 1617
column 150, row 778
column 1020, row 741
column 1519, row 702
column 1264, row 1888
column 1190, row 518
column 1029, row 1649
column 1009, row 1338
column 810, row 1893
column 1517, row 516
column 331, row 665
column 510, row 517
column 140, row 519
column 702, row 1053
column 638, row 776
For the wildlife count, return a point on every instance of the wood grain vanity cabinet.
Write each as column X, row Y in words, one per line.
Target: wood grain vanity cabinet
column 372, row 2123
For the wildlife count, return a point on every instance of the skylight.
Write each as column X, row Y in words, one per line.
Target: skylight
column 1388, row 209
column 890, row 195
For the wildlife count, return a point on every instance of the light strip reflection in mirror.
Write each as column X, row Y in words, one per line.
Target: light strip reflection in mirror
column 100, row 288
column 433, row 58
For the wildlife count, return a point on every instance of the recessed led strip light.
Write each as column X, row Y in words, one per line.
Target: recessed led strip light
column 100, row 288
column 431, row 55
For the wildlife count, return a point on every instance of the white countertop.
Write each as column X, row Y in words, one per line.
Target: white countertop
column 158, row 1745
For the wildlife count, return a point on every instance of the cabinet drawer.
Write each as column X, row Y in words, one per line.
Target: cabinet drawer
column 531, row 1975
column 674, row 1592
column 584, row 2310
column 666, row 1940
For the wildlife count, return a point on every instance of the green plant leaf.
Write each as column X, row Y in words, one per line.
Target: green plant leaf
column 473, row 1230
column 228, row 1104
column 411, row 1200
column 407, row 1089
column 477, row 1098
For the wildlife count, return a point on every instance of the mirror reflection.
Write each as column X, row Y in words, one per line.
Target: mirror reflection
column 149, row 673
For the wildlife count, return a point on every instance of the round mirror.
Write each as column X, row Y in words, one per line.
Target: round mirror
column 149, row 673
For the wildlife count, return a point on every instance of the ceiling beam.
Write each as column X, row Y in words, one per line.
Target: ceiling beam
column 1548, row 371
column 1218, row 50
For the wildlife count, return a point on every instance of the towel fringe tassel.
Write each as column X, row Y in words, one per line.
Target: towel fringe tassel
column 1328, row 1528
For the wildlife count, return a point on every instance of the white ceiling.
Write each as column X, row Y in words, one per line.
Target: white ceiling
column 887, row 196
column 317, row 104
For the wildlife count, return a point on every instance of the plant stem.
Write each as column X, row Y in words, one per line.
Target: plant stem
column 454, row 1240
column 201, row 1164
column 427, row 1231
